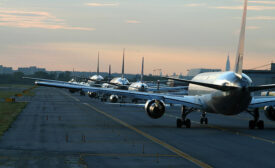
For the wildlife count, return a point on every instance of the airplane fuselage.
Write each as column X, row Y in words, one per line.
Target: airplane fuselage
column 138, row 86
column 230, row 102
column 117, row 83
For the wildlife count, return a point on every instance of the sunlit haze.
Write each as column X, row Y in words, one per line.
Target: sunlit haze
column 172, row 35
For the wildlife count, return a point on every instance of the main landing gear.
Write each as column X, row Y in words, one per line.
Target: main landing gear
column 184, row 121
column 203, row 119
column 256, row 122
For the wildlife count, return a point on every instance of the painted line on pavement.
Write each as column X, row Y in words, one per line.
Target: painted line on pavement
column 154, row 139
column 127, row 155
column 76, row 99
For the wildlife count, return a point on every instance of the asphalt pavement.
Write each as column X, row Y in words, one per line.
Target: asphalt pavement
column 60, row 129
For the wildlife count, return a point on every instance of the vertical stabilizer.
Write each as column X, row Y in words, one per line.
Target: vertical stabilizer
column 110, row 73
column 74, row 77
column 97, row 72
column 227, row 67
column 122, row 71
column 142, row 70
column 240, row 52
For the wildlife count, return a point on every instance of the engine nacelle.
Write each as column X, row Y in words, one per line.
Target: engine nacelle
column 269, row 112
column 113, row 98
column 92, row 94
column 155, row 108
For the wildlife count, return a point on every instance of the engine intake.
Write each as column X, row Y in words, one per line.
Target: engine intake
column 113, row 98
column 155, row 108
column 269, row 112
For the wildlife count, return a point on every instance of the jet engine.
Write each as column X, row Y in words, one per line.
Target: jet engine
column 113, row 98
column 92, row 94
column 155, row 108
column 270, row 112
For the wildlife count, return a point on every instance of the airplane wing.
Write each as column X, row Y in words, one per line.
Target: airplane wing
column 261, row 101
column 168, row 89
column 41, row 79
column 189, row 101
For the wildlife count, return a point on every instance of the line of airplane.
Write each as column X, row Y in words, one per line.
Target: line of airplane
column 226, row 93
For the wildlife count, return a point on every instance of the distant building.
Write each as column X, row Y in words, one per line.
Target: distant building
column 5, row 70
column 30, row 70
column 194, row 72
column 261, row 77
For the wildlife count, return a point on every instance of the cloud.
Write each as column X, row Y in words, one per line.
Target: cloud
column 263, row 2
column 101, row 4
column 252, row 27
column 34, row 19
column 133, row 21
column 261, row 18
column 195, row 4
column 256, row 8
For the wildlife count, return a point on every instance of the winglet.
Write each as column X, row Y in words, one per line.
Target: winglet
column 122, row 72
column 142, row 69
column 239, row 57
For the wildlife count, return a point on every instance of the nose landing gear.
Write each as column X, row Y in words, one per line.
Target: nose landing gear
column 204, row 118
column 256, row 122
column 183, row 120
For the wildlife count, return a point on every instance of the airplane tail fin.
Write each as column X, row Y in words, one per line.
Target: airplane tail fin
column 142, row 69
column 122, row 71
column 240, row 52
column 227, row 67
column 110, row 73
column 97, row 72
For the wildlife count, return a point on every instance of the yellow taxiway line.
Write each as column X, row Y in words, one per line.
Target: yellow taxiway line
column 127, row 155
column 154, row 139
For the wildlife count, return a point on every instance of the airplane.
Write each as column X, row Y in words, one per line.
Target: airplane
column 226, row 93
column 118, row 82
column 141, row 86
column 96, row 79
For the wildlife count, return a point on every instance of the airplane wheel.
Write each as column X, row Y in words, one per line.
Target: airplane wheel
column 179, row 123
column 260, row 124
column 201, row 121
column 187, row 123
column 206, row 120
column 252, row 124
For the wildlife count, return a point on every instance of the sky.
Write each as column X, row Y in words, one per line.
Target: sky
column 171, row 35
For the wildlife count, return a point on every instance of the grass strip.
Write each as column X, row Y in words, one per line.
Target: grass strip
column 10, row 110
column 9, row 113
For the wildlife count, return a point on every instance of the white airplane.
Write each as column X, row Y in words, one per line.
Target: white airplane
column 139, row 85
column 118, row 82
column 96, row 79
column 226, row 93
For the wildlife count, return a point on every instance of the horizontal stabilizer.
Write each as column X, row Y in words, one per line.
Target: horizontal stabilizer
column 209, row 85
column 261, row 87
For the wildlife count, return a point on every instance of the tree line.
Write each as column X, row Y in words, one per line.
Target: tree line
column 17, row 77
